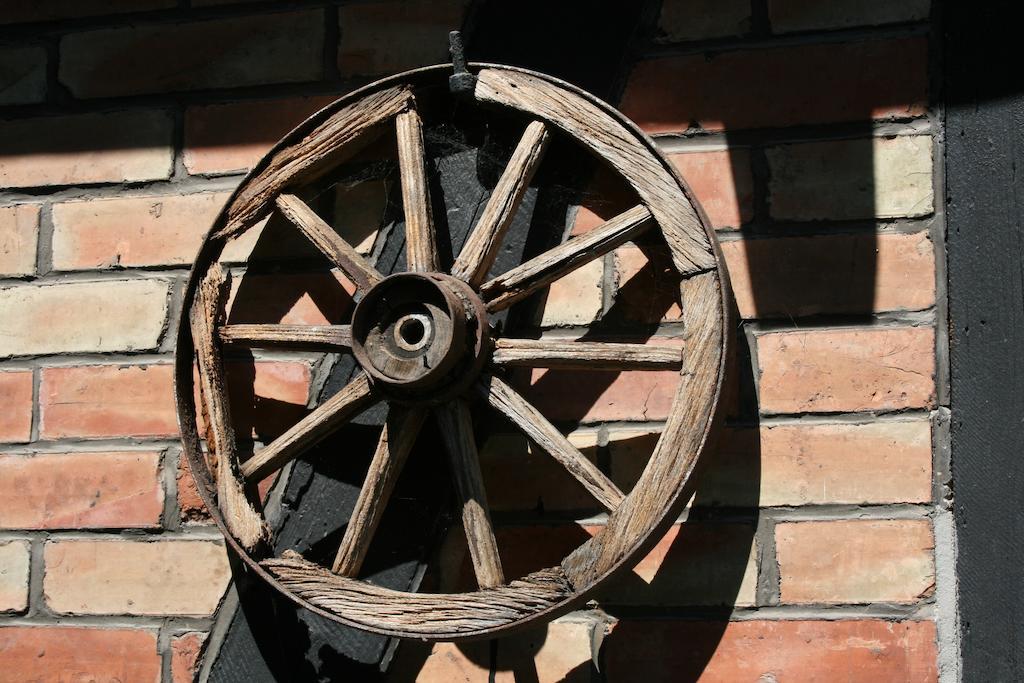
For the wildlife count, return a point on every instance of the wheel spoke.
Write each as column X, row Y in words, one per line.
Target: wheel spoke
column 481, row 247
column 396, row 440
column 331, row 414
column 457, row 431
column 239, row 514
column 518, row 283
column 337, row 250
column 559, row 353
column 305, row 337
column 510, row 403
column 420, row 241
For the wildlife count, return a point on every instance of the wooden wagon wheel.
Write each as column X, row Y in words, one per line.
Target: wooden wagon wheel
column 425, row 346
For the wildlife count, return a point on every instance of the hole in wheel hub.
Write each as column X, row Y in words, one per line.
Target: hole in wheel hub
column 419, row 335
column 412, row 332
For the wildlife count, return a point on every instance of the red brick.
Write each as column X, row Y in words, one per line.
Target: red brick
column 225, row 138
column 126, row 146
column 267, row 397
column 16, row 396
column 575, row 395
column 135, row 577
column 107, row 401
column 855, row 561
column 222, row 53
column 847, row 370
column 805, row 15
column 101, row 401
column 780, row 86
column 294, row 298
column 14, row 573
column 191, row 507
column 19, row 233
column 111, row 315
column 22, row 74
column 693, row 564
column 52, row 10
column 721, row 181
column 560, row 651
column 799, row 276
column 852, row 651
column 527, row 478
column 443, row 663
column 523, row 549
column 385, row 37
column 132, row 232
column 80, row 490
column 682, row 20
column 62, row 654
column 185, row 651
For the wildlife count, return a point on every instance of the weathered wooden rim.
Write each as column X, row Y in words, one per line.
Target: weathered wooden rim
column 184, row 352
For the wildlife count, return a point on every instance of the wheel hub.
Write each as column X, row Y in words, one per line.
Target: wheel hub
column 419, row 336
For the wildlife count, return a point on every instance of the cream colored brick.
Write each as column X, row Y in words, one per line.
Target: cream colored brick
column 121, row 315
column 849, row 179
column 14, row 576
column 561, row 652
column 135, row 577
column 883, row 462
column 576, row 298
column 856, row 561
column 19, row 233
column 813, row 463
column 133, row 231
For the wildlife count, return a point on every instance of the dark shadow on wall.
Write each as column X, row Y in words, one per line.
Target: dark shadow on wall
column 781, row 281
column 662, row 633
column 593, row 45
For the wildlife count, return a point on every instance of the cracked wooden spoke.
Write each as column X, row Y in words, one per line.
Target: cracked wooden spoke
column 239, row 514
column 337, row 250
column 420, row 241
column 518, row 283
column 510, row 403
column 331, row 414
column 303, row 337
column 396, row 440
column 561, row 353
column 457, row 431
column 481, row 247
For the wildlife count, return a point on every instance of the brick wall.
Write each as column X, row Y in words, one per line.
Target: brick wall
column 808, row 131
